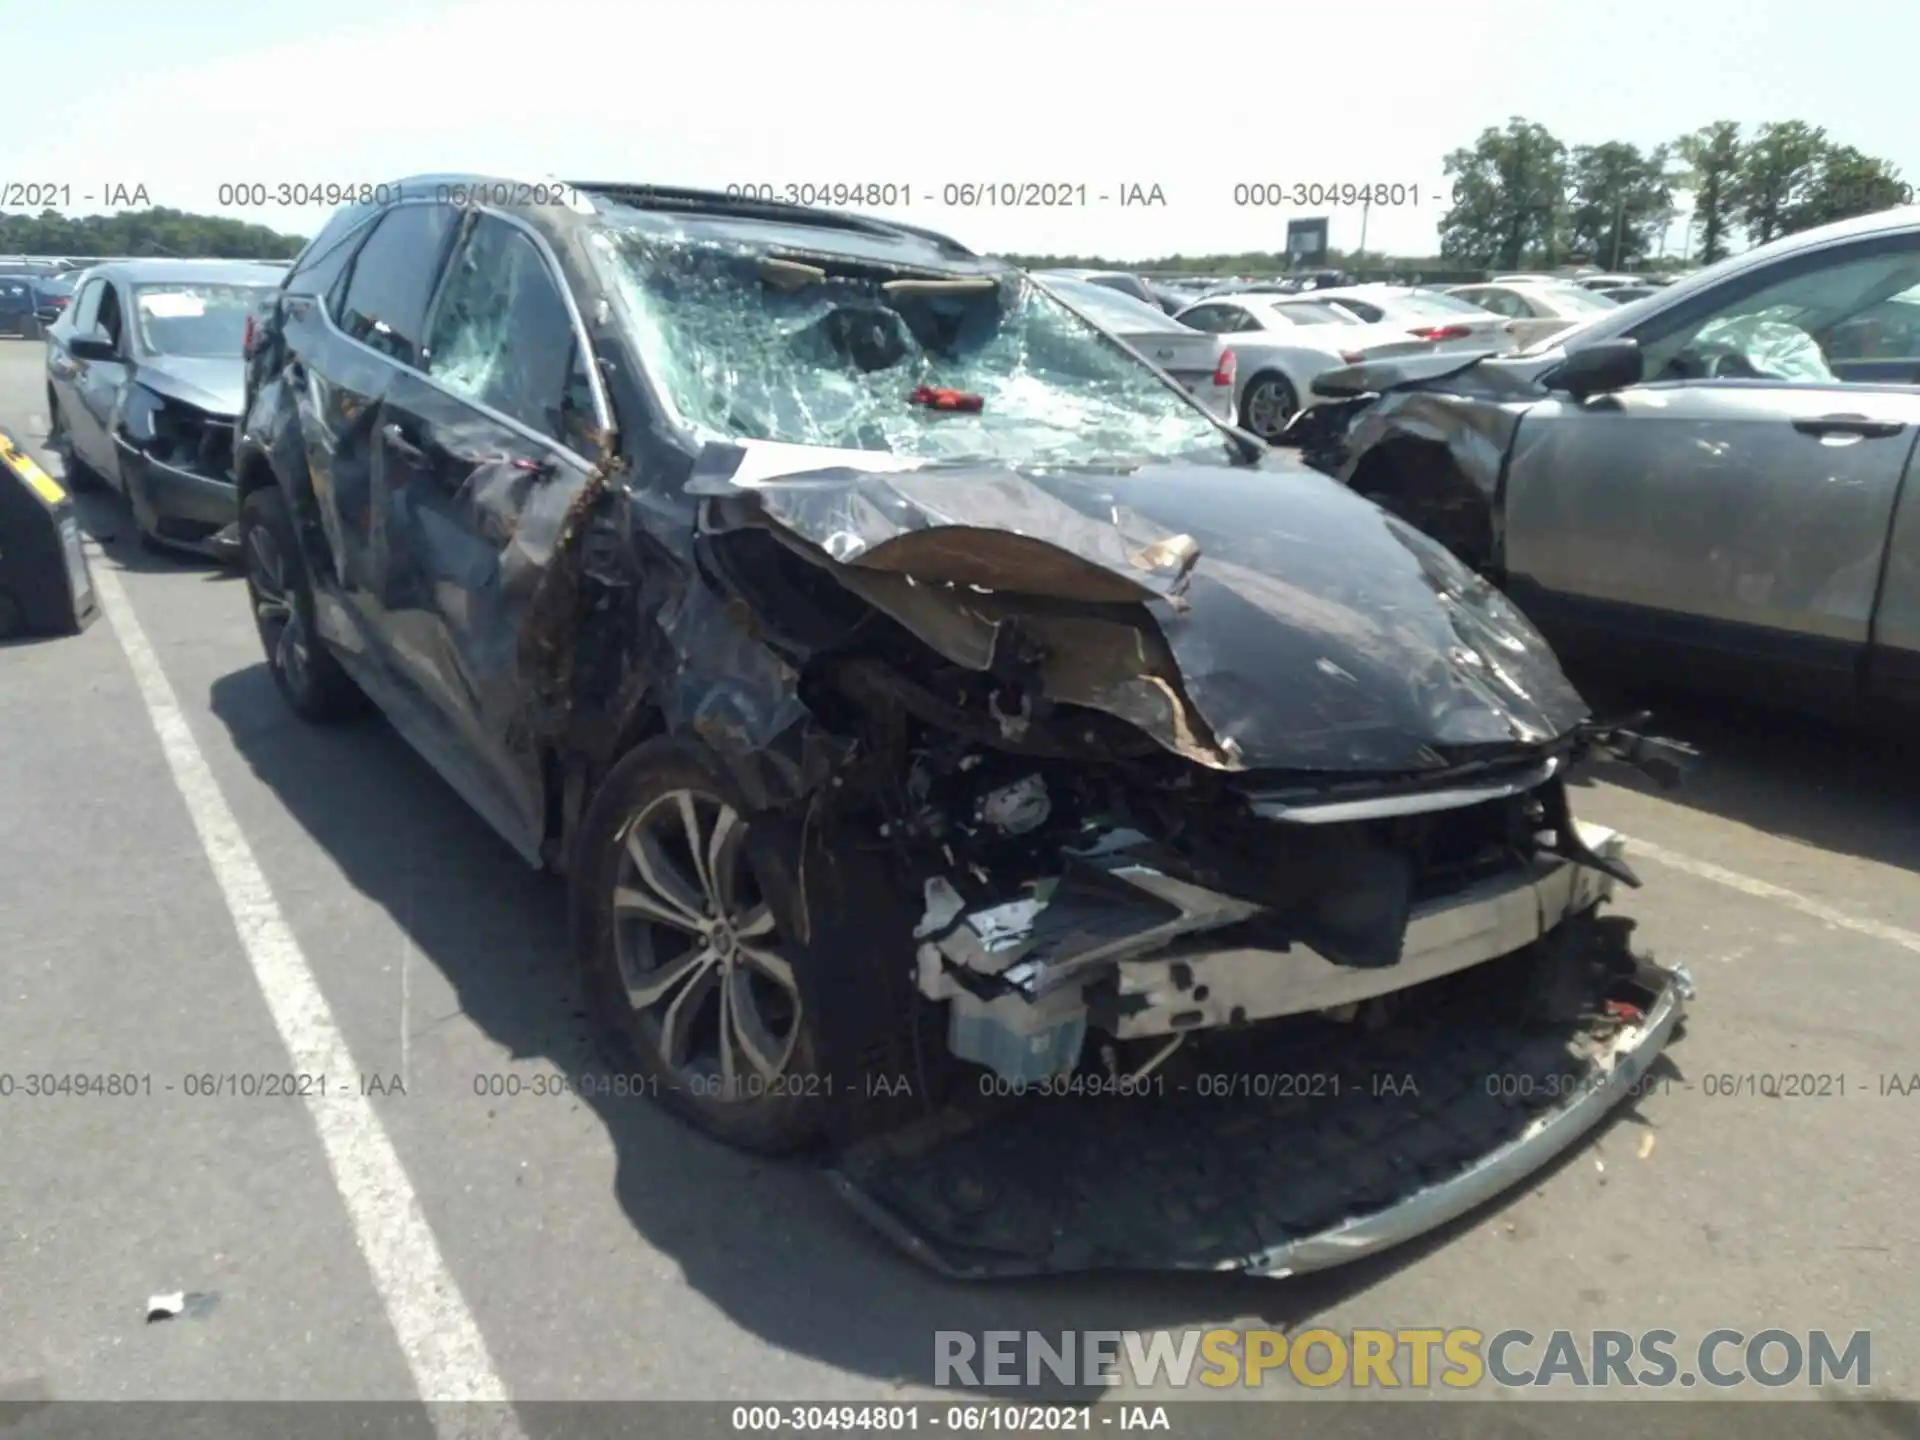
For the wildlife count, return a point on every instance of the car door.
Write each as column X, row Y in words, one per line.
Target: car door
column 482, row 454
column 98, row 385
column 376, row 328
column 63, row 370
column 1738, row 500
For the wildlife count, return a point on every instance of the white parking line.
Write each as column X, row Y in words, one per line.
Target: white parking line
column 1766, row 890
column 437, row 1333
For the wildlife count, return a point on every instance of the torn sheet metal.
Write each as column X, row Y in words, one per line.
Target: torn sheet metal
column 967, row 524
column 1307, row 629
column 733, row 692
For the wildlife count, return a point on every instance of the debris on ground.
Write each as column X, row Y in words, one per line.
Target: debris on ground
column 194, row 1304
column 165, row 1307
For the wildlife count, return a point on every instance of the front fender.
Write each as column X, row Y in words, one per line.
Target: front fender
column 1438, row 461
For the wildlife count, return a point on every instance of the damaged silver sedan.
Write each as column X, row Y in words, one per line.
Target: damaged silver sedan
column 962, row 749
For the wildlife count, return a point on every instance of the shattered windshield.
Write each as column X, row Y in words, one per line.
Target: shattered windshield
column 858, row 356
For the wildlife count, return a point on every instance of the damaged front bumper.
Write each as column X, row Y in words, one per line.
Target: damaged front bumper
column 1119, row 946
column 1306, row 1150
column 190, row 508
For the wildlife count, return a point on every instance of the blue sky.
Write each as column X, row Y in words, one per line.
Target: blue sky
column 1194, row 99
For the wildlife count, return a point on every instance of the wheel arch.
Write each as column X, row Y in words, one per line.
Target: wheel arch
column 1420, row 481
column 573, row 779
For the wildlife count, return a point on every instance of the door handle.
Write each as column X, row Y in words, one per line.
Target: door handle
column 397, row 441
column 1848, row 425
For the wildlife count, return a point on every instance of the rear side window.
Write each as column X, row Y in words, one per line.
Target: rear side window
column 1372, row 314
column 385, row 304
column 319, row 266
column 86, row 307
column 502, row 336
column 109, row 317
column 1214, row 319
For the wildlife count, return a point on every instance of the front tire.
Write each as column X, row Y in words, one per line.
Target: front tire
column 1266, row 406
column 305, row 672
column 686, row 939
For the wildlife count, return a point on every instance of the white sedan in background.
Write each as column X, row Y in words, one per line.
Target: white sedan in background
column 1538, row 308
column 1444, row 321
column 1201, row 363
column 1282, row 342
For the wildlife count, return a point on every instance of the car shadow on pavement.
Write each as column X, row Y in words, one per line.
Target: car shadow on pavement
column 765, row 1242
column 1848, row 788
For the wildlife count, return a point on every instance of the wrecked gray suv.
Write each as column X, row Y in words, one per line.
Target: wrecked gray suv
column 961, row 749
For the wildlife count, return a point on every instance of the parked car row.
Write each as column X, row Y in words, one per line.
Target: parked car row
column 32, row 297
column 1274, row 340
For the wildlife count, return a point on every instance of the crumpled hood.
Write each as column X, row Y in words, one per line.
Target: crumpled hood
column 1310, row 629
column 215, row 386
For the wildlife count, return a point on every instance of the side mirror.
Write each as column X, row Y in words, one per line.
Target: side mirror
column 1596, row 369
column 94, row 345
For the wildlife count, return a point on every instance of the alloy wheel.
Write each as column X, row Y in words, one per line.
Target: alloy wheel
column 274, row 608
column 1269, row 407
column 699, row 950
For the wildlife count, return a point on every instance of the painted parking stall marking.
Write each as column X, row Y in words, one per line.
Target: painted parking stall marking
column 438, row 1335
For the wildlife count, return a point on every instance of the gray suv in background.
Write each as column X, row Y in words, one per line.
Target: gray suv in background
column 1713, row 484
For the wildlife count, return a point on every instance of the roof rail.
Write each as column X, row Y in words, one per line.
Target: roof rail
column 673, row 197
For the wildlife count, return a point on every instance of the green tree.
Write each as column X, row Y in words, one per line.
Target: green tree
column 1777, row 168
column 1619, row 200
column 1845, row 183
column 1712, row 156
column 1509, row 189
column 154, row 231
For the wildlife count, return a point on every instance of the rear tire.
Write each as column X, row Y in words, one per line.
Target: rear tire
column 304, row 670
column 1267, row 404
column 684, row 930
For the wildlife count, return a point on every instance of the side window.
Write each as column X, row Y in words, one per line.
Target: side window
column 109, row 318
column 1887, row 331
column 392, row 277
column 1244, row 319
column 1371, row 314
column 1214, row 319
column 1791, row 329
column 502, row 337
column 86, row 305
column 1500, row 302
column 318, row 269
column 1126, row 285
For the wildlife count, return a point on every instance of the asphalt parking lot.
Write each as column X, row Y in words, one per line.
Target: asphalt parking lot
column 198, row 884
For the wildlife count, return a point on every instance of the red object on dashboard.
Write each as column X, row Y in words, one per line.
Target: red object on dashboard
column 939, row 397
